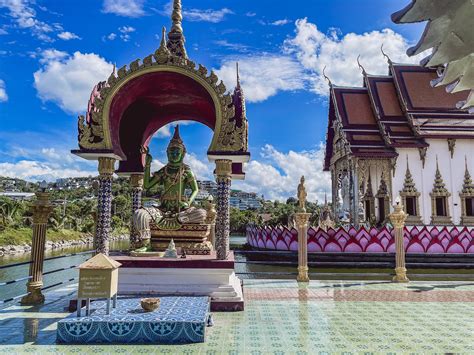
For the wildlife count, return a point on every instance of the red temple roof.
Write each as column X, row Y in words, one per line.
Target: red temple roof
column 395, row 111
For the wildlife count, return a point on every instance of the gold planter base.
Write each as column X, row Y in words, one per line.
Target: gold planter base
column 34, row 295
column 401, row 275
column 302, row 274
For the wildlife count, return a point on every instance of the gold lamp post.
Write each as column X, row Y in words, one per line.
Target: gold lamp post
column 398, row 218
column 41, row 210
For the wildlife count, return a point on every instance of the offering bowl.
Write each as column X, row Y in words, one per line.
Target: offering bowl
column 150, row 304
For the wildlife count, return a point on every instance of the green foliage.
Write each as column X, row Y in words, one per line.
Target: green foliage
column 72, row 217
column 240, row 219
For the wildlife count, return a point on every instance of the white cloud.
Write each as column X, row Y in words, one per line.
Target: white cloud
column 208, row 15
column 3, row 31
column 126, row 29
column 251, row 14
column 111, row 36
column 280, row 22
column 315, row 50
column 24, row 16
column 3, row 91
column 66, row 36
column 126, row 8
column 198, row 15
column 68, row 80
column 303, row 57
column 238, row 47
column 165, row 131
column 277, row 175
column 35, row 170
column 51, row 54
column 264, row 75
column 203, row 170
column 50, row 153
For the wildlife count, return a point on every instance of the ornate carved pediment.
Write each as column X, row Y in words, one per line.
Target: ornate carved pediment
column 231, row 126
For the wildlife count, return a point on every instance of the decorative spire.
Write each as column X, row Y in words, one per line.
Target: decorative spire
column 176, row 141
column 162, row 53
column 439, row 187
column 175, row 36
column 238, row 100
column 238, row 74
column 468, row 186
column 409, row 184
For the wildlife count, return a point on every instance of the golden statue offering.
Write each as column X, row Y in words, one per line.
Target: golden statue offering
column 302, row 195
column 175, row 218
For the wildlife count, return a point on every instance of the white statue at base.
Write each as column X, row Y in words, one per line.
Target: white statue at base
column 171, row 251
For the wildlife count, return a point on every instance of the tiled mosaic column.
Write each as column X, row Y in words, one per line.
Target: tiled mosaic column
column 223, row 172
column 104, row 205
column 136, row 183
column 41, row 211
column 398, row 218
column 301, row 220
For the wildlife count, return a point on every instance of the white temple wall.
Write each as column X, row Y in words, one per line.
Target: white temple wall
column 452, row 171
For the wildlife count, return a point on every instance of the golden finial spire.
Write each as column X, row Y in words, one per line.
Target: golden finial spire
column 175, row 36
column 177, row 17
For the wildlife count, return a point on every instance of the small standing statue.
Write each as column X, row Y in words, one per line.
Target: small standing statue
column 302, row 195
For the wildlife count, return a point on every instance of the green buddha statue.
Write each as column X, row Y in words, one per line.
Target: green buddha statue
column 175, row 208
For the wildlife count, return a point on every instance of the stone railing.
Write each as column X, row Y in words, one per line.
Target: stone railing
column 420, row 240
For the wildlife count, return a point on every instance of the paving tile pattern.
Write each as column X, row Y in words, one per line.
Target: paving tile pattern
column 321, row 318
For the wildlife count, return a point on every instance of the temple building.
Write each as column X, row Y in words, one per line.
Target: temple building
column 398, row 136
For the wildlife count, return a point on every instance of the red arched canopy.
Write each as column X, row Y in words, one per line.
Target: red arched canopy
column 147, row 103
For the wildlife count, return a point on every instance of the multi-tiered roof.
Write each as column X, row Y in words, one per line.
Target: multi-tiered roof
column 398, row 110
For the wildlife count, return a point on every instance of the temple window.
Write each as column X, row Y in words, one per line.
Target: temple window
column 383, row 201
column 467, row 199
column 410, row 197
column 441, row 206
column 439, row 201
column 369, row 202
column 470, row 207
column 410, row 206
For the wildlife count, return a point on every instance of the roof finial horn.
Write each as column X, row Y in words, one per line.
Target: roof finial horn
column 385, row 55
column 326, row 77
column 360, row 65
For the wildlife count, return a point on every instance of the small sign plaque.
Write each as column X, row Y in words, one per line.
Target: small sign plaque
column 98, row 278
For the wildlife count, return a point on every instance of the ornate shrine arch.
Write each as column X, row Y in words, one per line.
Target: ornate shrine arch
column 147, row 96
column 126, row 110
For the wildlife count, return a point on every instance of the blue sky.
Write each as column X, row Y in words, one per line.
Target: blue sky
column 52, row 53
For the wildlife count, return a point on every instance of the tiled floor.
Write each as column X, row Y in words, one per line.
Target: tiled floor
column 282, row 318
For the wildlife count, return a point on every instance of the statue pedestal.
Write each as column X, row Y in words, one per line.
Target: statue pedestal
column 191, row 237
column 197, row 275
